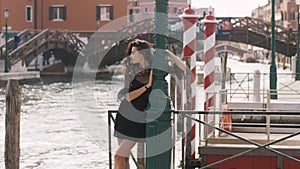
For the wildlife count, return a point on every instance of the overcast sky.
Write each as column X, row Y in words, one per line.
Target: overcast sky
column 233, row 8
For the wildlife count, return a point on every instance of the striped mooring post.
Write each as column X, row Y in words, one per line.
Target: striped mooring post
column 190, row 19
column 210, row 24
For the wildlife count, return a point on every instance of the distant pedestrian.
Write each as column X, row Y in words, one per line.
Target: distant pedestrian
column 16, row 41
column 46, row 57
column 267, row 55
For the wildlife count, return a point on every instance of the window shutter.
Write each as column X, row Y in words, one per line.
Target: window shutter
column 111, row 14
column 98, row 16
column 64, row 17
column 51, row 13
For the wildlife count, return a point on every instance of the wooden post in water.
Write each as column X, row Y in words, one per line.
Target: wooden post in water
column 12, row 116
column 12, row 125
column 223, row 77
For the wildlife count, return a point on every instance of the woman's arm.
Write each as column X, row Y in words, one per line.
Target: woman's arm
column 136, row 93
column 176, row 60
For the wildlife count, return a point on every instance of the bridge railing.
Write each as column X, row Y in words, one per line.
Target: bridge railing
column 64, row 37
column 24, row 36
column 39, row 41
column 28, row 47
column 260, row 26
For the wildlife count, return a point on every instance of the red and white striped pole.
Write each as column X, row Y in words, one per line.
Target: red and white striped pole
column 210, row 24
column 190, row 19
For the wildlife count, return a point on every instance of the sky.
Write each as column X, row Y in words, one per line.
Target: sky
column 232, row 8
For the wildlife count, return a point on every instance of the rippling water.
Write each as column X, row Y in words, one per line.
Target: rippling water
column 54, row 133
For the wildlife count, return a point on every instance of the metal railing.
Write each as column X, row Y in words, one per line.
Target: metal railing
column 266, row 146
column 188, row 114
column 241, row 85
column 265, row 111
column 112, row 118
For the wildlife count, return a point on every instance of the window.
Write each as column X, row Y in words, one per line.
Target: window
column 285, row 18
column 292, row 15
column 175, row 10
column 28, row 14
column 131, row 15
column 146, row 9
column 57, row 13
column 104, row 13
column 135, row 3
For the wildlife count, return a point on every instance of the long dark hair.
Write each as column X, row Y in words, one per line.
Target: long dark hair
column 144, row 47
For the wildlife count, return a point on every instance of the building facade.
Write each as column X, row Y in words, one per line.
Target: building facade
column 289, row 14
column 176, row 7
column 75, row 15
column 286, row 13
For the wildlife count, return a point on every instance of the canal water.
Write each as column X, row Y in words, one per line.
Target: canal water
column 64, row 125
column 53, row 133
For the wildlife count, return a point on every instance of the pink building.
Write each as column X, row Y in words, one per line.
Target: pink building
column 176, row 7
column 75, row 15
column 142, row 9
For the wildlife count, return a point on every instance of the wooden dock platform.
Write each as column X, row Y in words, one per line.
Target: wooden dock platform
column 236, row 153
column 260, row 138
column 19, row 75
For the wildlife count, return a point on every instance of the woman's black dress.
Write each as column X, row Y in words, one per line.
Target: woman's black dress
column 130, row 120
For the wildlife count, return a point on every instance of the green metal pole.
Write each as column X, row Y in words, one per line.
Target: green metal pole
column 298, row 49
column 273, row 73
column 159, row 116
column 6, row 49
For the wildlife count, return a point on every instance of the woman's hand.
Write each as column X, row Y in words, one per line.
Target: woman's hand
column 149, row 84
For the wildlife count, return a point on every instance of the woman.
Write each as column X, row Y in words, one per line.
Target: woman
column 130, row 121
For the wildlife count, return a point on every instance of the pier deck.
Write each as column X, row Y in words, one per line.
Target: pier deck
column 260, row 138
column 226, row 147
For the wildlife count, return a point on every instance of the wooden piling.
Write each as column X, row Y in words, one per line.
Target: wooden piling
column 12, row 116
column 223, row 77
column 12, row 125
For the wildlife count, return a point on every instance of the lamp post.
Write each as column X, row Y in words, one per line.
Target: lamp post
column 298, row 45
column 158, row 131
column 273, row 71
column 6, row 14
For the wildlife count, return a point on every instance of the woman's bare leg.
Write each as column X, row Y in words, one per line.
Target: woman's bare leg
column 127, row 166
column 127, row 163
column 119, row 162
column 123, row 153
